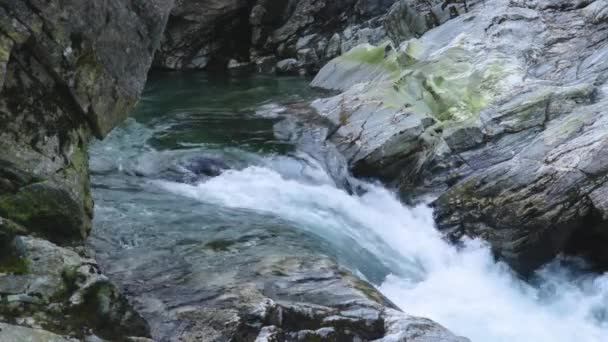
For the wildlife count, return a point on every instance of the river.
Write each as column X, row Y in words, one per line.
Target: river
column 151, row 207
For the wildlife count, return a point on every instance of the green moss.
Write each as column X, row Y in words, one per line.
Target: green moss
column 70, row 277
column 5, row 50
column 46, row 210
column 369, row 291
column 449, row 86
column 572, row 125
column 410, row 54
column 108, row 314
column 375, row 55
column 366, row 54
column 14, row 265
column 10, row 229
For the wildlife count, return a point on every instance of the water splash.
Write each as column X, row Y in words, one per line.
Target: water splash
column 464, row 289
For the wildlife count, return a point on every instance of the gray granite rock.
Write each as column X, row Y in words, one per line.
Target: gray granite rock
column 63, row 291
column 499, row 111
column 16, row 333
column 277, row 288
column 63, row 81
column 207, row 34
column 69, row 71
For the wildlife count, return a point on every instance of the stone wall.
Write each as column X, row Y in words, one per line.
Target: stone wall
column 69, row 70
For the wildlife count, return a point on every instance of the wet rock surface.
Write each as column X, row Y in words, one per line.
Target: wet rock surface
column 16, row 333
column 68, row 71
column 62, row 290
column 210, row 34
column 276, row 289
column 195, row 262
column 62, row 81
column 500, row 111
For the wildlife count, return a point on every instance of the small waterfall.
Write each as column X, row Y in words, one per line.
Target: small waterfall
column 146, row 220
column 464, row 289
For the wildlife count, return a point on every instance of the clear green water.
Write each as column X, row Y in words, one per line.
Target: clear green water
column 199, row 108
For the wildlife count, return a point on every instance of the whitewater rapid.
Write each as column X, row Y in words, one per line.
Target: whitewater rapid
column 463, row 288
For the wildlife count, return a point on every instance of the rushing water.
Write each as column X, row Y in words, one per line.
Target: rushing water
column 145, row 203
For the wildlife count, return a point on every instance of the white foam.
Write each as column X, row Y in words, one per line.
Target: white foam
column 464, row 289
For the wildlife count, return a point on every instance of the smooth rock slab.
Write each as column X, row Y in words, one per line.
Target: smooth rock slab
column 256, row 283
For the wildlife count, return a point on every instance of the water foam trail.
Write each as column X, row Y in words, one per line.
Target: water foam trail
column 466, row 290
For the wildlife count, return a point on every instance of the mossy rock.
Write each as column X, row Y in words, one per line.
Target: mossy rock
column 46, row 210
column 109, row 314
column 11, row 256
column 13, row 264
column 10, row 229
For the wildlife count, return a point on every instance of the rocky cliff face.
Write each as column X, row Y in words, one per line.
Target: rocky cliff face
column 498, row 109
column 300, row 34
column 68, row 70
column 74, row 69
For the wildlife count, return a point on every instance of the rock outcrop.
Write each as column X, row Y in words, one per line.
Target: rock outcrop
column 257, row 35
column 278, row 288
column 500, row 111
column 72, row 70
column 68, row 70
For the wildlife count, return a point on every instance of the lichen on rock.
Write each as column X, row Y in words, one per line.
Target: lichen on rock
column 493, row 106
column 68, row 72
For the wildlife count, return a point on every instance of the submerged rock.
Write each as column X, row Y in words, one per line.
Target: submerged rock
column 206, row 166
column 499, row 110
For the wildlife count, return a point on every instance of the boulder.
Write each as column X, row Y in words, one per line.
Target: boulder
column 63, row 291
column 69, row 71
column 207, row 34
column 16, row 333
column 277, row 288
column 237, row 67
column 289, row 66
column 266, row 65
column 498, row 112
column 204, row 32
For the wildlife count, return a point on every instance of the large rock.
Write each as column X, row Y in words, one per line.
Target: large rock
column 412, row 18
column 209, row 33
column 203, row 32
column 278, row 288
column 68, row 70
column 502, row 108
column 16, row 333
column 63, row 290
